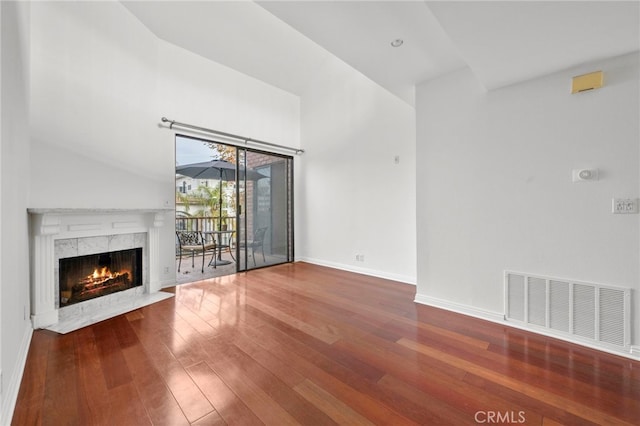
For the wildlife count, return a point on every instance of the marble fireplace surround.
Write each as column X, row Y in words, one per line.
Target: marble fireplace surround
column 61, row 233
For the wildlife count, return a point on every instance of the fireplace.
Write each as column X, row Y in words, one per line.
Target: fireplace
column 87, row 277
column 124, row 241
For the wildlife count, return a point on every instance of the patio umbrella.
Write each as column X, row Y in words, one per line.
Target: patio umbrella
column 217, row 169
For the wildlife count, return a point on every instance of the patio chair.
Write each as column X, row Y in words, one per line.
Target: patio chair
column 193, row 242
column 256, row 242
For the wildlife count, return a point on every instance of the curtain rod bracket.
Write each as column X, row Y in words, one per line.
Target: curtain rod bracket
column 166, row 120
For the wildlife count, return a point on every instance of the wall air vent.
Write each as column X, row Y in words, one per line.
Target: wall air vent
column 570, row 309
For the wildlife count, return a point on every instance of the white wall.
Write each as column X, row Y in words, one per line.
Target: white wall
column 495, row 191
column 95, row 138
column 195, row 90
column 101, row 83
column 15, row 327
column 351, row 197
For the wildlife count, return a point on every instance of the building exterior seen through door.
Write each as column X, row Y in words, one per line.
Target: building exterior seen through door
column 242, row 198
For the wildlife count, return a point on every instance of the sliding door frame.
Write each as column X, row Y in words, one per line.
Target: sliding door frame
column 290, row 202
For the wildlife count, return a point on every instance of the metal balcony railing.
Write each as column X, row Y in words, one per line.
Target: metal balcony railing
column 204, row 224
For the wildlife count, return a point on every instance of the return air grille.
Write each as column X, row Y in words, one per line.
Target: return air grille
column 515, row 307
column 588, row 311
column 558, row 301
column 536, row 302
column 584, row 312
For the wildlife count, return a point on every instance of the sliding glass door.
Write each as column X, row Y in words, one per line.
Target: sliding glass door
column 265, row 216
column 240, row 198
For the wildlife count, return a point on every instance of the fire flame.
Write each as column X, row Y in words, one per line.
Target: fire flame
column 104, row 273
column 101, row 281
column 101, row 275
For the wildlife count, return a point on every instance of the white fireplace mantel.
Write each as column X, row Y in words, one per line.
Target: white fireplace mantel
column 49, row 225
column 84, row 221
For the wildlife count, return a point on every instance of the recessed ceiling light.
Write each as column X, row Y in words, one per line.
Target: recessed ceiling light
column 397, row 42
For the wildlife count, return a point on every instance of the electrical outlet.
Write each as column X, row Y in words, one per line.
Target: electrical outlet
column 359, row 257
column 624, row 206
column 166, row 270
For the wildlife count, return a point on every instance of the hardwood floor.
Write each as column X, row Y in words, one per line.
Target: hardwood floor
column 303, row 344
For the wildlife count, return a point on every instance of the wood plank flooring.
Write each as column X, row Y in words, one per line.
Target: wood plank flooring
column 303, row 344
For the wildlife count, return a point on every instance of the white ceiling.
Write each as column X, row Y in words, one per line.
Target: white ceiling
column 360, row 33
column 284, row 43
column 507, row 42
column 238, row 34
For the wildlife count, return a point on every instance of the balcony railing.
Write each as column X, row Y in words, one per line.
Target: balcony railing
column 204, row 224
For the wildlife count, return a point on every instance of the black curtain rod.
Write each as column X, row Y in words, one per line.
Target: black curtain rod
column 173, row 123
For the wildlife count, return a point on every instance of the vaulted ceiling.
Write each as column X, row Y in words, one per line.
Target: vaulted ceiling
column 284, row 42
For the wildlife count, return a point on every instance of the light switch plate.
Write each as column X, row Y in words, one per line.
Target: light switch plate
column 583, row 175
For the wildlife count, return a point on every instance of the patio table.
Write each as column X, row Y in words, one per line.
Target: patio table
column 217, row 235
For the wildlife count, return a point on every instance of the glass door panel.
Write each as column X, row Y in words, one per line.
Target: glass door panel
column 266, row 234
column 206, row 203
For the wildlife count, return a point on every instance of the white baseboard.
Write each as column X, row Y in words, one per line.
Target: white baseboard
column 364, row 271
column 633, row 353
column 460, row 308
column 10, row 394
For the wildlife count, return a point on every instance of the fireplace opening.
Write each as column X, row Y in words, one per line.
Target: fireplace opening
column 87, row 277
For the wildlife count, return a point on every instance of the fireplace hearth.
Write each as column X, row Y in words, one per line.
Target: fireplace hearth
column 87, row 277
